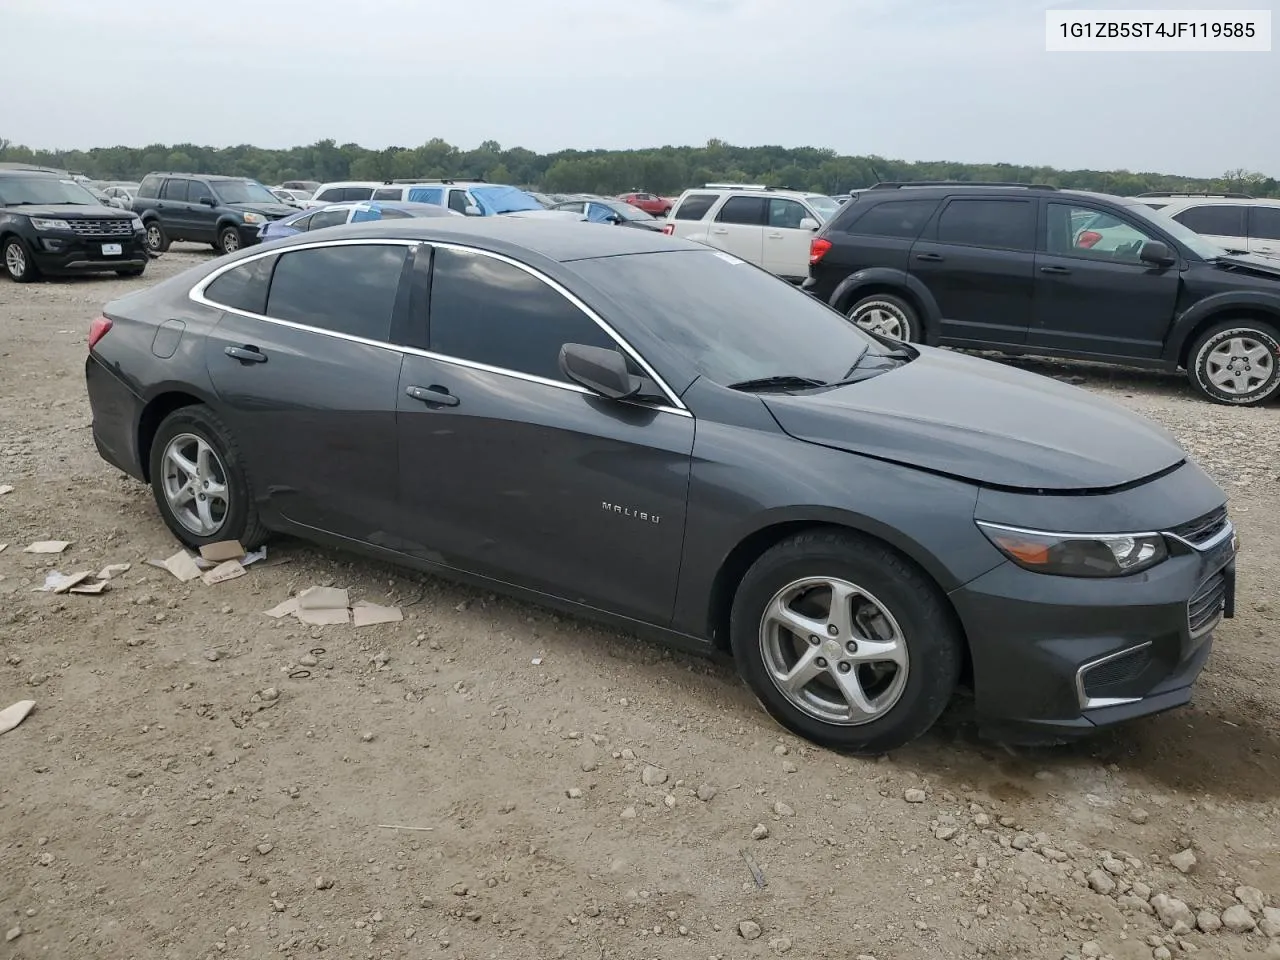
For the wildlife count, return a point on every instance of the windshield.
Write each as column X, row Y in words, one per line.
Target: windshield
column 243, row 191
column 733, row 321
column 1184, row 235
column 43, row 190
column 825, row 207
column 494, row 200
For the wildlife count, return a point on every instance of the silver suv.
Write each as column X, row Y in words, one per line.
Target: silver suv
column 1235, row 221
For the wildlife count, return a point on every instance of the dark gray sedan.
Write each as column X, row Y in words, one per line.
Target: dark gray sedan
column 645, row 430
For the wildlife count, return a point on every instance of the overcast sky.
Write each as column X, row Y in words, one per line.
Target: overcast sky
column 965, row 80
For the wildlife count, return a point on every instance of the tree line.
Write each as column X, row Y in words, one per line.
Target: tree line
column 666, row 170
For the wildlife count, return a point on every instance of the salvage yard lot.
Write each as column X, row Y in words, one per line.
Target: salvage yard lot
column 156, row 805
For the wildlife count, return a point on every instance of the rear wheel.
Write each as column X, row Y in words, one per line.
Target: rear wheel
column 845, row 642
column 228, row 240
column 1236, row 362
column 199, row 481
column 887, row 315
column 157, row 239
column 17, row 261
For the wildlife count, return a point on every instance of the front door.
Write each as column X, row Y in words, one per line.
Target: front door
column 977, row 260
column 311, row 400
column 510, row 471
column 204, row 216
column 786, row 242
column 1093, row 295
column 738, row 228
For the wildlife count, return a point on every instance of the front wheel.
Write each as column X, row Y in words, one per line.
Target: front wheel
column 17, row 261
column 1236, row 362
column 887, row 315
column 199, row 481
column 845, row 642
column 229, row 240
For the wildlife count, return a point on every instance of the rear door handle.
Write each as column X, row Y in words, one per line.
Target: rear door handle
column 437, row 396
column 930, row 257
column 1059, row 271
column 247, row 354
column 720, row 230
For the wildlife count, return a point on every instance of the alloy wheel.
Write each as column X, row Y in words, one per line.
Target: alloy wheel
column 883, row 318
column 1239, row 365
column 154, row 237
column 230, row 241
column 15, row 260
column 195, row 484
column 834, row 651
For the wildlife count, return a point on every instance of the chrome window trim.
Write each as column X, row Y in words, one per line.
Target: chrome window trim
column 1094, row 703
column 197, row 295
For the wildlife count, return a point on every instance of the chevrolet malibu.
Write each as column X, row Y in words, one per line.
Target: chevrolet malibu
column 647, row 431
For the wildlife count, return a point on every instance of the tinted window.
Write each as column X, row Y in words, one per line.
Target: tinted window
column 458, row 201
column 488, row 311
column 1264, row 223
column 174, row 190
column 895, row 218
column 744, row 210
column 332, row 195
column 357, row 193
column 302, row 223
column 327, row 218
column 198, row 190
column 1000, row 224
column 695, row 206
column 787, row 213
column 1094, row 234
column 1214, row 221
column 244, row 287
column 150, row 187
column 346, row 289
column 722, row 315
column 387, row 193
column 576, row 207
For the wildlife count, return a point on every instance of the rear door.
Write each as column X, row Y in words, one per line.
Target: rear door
column 786, row 243
column 1222, row 223
column 688, row 218
column 1264, row 231
column 738, row 227
column 307, row 382
column 1093, row 296
column 977, row 259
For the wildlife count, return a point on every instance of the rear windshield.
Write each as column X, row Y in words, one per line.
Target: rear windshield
column 15, row 191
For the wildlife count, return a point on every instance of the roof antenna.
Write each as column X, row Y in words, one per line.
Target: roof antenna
column 875, row 172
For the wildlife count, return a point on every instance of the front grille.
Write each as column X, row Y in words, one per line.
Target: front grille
column 1205, row 608
column 102, row 228
column 1202, row 529
column 1099, row 680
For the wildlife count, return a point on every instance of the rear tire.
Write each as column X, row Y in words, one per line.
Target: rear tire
column 210, row 498
column 228, row 240
column 157, row 239
column 1236, row 362
column 887, row 315
column 882, row 665
column 17, row 260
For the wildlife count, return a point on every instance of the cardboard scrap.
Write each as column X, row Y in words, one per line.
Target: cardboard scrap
column 5, row 488
column 13, row 715
column 325, row 617
column 286, row 609
column 113, row 570
column 3, row 546
column 55, row 581
column 97, row 586
column 223, row 550
column 227, row 570
column 72, row 580
column 323, row 598
column 48, row 546
column 366, row 614
column 182, row 565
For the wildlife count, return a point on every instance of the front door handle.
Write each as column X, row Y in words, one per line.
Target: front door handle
column 775, row 236
column 246, row 354
column 930, row 257
column 1057, row 271
column 720, row 230
column 437, row 396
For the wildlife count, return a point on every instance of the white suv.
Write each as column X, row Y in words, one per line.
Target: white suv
column 1233, row 220
column 767, row 227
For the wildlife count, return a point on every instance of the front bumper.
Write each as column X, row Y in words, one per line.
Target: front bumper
column 117, row 412
column 61, row 252
column 1057, row 657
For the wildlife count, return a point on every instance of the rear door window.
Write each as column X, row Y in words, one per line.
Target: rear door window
column 150, row 187
column 1214, row 220
column 747, row 211
column 387, row 193
column 328, row 218
column 1264, row 223
column 995, row 224
column 332, row 195
column 243, row 287
column 175, row 190
column 349, row 289
column 357, row 193
column 695, row 206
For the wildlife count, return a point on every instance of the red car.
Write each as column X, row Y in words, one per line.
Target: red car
column 650, row 203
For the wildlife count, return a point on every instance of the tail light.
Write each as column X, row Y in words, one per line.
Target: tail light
column 818, row 248
column 669, row 229
column 97, row 330
column 1088, row 239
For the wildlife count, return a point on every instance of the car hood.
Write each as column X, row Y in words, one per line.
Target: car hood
column 982, row 421
column 1251, row 263
column 266, row 209
column 70, row 211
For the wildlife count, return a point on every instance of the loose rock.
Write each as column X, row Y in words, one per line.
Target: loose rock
column 1183, row 861
column 12, row 934
column 1238, row 919
column 651, row 776
column 914, row 795
column 324, row 883
column 1270, row 923
column 1101, row 882
column 1138, row 815
column 1251, row 897
column 759, row 832
column 1173, row 912
column 783, row 809
column 780, row 945
column 706, row 792
column 749, row 930
column 1208, row 921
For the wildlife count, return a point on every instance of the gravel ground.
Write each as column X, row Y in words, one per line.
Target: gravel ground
column 487, row 780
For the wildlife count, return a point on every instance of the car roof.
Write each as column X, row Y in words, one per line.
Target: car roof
column 197, row 176
column 559, row 240
column 1210, row 201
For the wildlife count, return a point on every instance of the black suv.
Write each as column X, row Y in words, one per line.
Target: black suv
column 1035, row 270
column 223, row 211
column 49, row 224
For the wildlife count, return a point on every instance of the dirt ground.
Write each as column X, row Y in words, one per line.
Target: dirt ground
column 471, row 782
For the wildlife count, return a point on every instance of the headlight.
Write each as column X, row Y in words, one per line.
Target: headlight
column 1077, row 555
column 137, row 223
column 42, row 224
column 253, row 218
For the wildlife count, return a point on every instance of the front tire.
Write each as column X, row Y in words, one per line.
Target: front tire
column 1236, row 362
column 157, row 239
column 200, row 483
column 229, row 240
column 17, row 260
column 845, row 642
column 887, row 315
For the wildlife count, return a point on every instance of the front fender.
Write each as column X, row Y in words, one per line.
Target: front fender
column 844, row 295
column 1219, row 304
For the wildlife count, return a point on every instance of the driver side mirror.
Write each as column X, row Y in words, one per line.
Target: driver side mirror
column 1157, row 254
column 208, row 201
column 599, row 369
column 808, row 223
column 472, row 210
